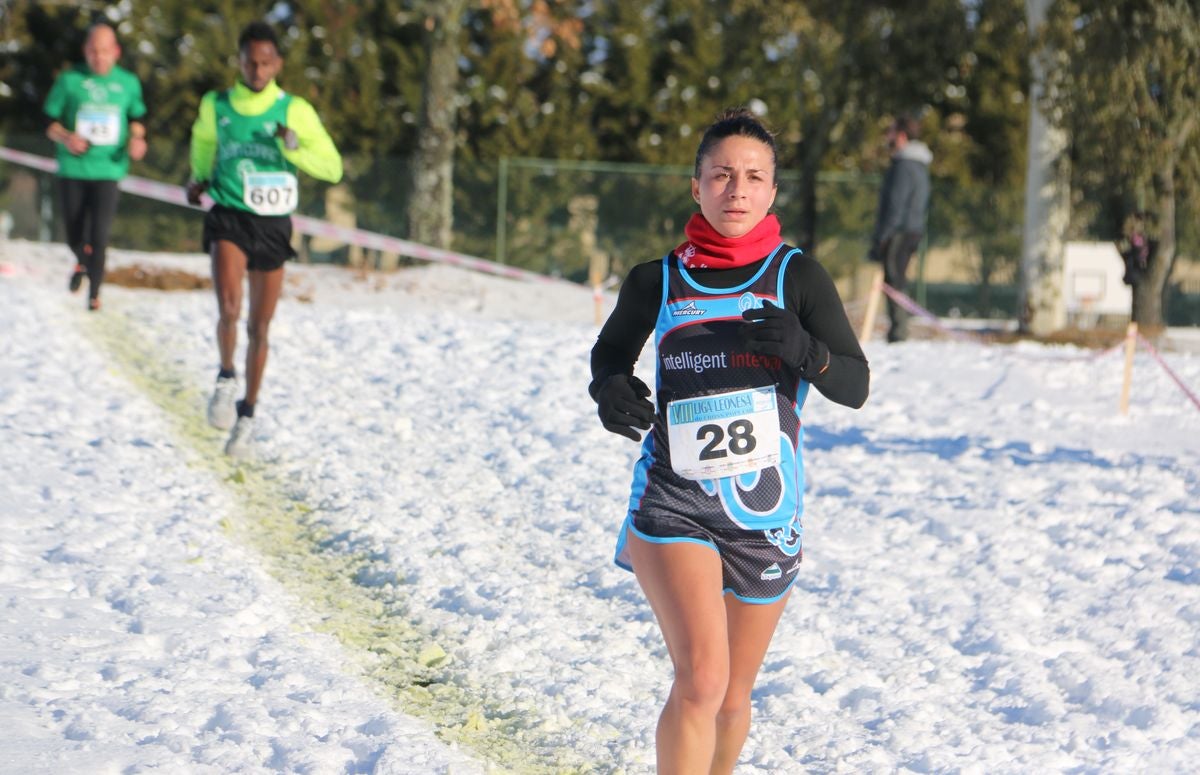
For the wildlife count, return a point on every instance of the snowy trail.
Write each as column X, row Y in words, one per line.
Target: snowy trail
column 131, row 623
column 1001, row 574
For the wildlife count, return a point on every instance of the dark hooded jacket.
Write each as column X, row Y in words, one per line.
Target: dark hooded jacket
column 904, row 198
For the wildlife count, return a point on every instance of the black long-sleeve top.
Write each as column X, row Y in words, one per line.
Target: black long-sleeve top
column 834, row 364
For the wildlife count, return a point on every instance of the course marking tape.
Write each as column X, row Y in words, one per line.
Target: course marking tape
column 907, row 302
column 176, row 195
column 1195, row 401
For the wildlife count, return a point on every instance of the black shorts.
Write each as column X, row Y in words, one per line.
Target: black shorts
column 265, row 239
column 757, row 566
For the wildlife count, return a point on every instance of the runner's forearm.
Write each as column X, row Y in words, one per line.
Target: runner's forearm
column 57, row 132
column 204, row 140
column 628, row 327
column 316, row 155
column 839, row 370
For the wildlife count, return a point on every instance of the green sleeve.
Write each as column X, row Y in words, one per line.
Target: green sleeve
column 317, row 155
column 204, row 138
column 56, row 100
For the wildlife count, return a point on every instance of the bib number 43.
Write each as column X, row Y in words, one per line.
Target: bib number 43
column 98, row 124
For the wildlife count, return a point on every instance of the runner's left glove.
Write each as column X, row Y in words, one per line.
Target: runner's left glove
column 771, row 330
column 288, row 136
column 623, row 405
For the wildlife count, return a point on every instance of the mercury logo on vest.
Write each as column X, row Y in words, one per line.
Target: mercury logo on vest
column 689, row 309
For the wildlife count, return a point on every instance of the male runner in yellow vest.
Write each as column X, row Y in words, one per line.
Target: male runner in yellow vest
column 247, row 144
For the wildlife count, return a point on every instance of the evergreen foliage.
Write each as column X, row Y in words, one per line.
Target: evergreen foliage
column 1125, row 84
column 635, row 81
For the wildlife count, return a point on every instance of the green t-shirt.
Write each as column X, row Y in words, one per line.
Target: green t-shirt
column 99, row 107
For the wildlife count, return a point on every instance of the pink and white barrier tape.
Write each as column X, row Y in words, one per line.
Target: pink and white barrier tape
column 905, row 301
column 1171, row 374
column 29, row 160
column 176, row 195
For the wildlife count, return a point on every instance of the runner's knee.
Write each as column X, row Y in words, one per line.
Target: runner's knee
column 734, row 706
column 229, row 307
column 257, row 331
column 702, row 683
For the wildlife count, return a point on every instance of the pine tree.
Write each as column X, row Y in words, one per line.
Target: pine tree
column 1126, row 80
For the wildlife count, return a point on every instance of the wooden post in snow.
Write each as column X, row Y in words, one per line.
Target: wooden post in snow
column 1127, row 382
column 872, row 306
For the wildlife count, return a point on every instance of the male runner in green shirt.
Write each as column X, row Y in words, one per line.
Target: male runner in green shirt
column 247, row 144
column 95, row 116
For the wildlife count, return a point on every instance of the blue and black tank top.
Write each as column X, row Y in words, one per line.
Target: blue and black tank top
column 715, row 399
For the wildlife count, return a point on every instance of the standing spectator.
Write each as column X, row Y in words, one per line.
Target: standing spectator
column 95, row 113
column 903, row 207
column 1136, row 247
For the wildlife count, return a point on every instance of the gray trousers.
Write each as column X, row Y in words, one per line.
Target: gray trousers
column 896, row 253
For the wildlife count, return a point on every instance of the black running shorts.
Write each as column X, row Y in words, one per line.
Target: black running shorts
column 265, row 239
column 757, row 566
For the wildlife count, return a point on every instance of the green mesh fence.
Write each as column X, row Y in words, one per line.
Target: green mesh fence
column 553, row 215
column 575, row 219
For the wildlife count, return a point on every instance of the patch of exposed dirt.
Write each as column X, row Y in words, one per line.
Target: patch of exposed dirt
column 1094, row 338
column 156, row 277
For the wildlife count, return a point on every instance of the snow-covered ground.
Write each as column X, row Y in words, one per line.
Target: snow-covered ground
column 413, row 572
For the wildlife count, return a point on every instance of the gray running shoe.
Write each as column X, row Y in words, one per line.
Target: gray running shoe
column 222, row 409
column 239, row 440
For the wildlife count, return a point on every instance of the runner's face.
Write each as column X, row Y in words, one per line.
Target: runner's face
column 101, row 50
column 736, row 187
column 260, row 63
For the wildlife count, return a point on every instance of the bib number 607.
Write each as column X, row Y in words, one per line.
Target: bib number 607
column 741, row 439
column 272, row 197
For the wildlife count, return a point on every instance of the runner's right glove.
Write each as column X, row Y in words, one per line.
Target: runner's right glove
column 623, row 405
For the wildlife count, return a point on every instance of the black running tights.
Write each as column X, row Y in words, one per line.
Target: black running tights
column 88, row 208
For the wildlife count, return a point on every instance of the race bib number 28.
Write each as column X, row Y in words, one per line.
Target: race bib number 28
column 270, row 193
column 723, row 434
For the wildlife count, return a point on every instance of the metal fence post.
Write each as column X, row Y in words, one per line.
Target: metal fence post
column 501, row 209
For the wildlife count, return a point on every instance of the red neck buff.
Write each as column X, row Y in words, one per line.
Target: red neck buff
column 707, row 248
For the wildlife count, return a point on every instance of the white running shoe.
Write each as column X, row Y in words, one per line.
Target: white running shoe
column 239, row 440
column 222, row 411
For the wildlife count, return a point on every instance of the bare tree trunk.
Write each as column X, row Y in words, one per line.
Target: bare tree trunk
column 809, row 168
column 1148, row 295
column 1047, row 205
column 431, row 193
column 815, row 145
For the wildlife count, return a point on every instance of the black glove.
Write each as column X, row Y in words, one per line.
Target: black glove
column 623, row 405
column 194, row 189
column 774, row 331
column 288, row 136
